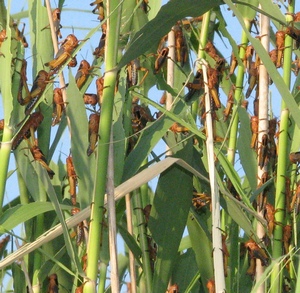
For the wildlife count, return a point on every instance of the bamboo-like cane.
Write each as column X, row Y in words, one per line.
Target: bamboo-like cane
column 215, row 198
column 263, row 126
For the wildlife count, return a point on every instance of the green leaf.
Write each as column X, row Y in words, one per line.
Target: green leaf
column 79, row 143
column 203, row 249
column 148, row 139
column 42, row 52
column 246, row 11
column 131, row 243
column 234, row 178
column 186, row 273
column 150, row 35
column 22, row 213
column 19, row 278
column 173, row 193
column 247, row 155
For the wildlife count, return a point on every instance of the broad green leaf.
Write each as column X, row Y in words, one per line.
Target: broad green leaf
column 246, row 11
column 173, row 193
column 203, row 249
column 24, row 162
column 19, row 278
column 152, row 134
column 22, row 213
column 154, row 7
column 185, row 243
column 150, row 35
column 79, row 143
column 185, row 271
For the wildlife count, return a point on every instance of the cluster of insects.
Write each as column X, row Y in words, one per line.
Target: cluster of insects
column 29, row 97
column 140, row 116
column 266, row 149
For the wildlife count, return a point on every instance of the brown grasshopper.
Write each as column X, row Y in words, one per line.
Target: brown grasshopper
column 83, row 73
column 99, row 51
column 99, row 7
column 58, row 106
column 37, row 90
column 53, row 284
column 132, row 73
column 19, row 35
column 64, row 53
column 56, row 22
column 90, row 99
column 72, row 178
column 40, row 158
column 294, row 33
column 255, row 251
column 94, row 120
column 280, row 37
column 28, row 129
column 180, row 45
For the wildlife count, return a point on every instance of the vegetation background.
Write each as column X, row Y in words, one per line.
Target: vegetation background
column 224, row 212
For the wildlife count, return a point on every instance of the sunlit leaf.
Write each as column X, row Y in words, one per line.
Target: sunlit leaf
column 154, row 30
column 22, row 213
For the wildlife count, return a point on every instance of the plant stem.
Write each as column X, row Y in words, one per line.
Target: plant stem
column 102, row 279
column 263, row 124
column 170, row 75
column 202, row 41
column 282, row 162
column 215, row 198
column 111, row 53
column 237, row 96
column 4, row 158
column 7, row 100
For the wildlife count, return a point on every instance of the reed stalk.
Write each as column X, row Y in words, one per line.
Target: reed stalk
column 97, row 209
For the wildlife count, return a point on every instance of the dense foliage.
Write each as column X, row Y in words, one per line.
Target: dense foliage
column 202, row 95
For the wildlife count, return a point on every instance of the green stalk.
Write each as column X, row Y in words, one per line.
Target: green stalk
column 111, row 53
column 102, row 278
column 5, row 87
column 4, row 158
column 282, row 163
column 237, row 96
column 202, row 41
column 147, row 274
